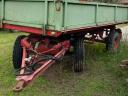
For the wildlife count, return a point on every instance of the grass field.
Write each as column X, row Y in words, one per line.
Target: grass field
column 103, row 76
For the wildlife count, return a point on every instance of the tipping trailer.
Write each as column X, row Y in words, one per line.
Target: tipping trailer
column 54, row 26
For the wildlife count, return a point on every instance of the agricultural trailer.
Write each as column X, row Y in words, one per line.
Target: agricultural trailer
column 54, row 26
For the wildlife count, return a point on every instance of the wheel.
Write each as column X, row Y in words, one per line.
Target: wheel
column 113, row 40
column 79, row 55
column 17, row 52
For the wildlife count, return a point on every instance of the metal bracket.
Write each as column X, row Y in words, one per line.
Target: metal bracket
column 58, row 5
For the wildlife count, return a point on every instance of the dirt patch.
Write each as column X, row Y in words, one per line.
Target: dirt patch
column 61, row 78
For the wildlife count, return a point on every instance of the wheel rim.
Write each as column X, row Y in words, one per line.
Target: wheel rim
column 116, row 43
column 117, row 40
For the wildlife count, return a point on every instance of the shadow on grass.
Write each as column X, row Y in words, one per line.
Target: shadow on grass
column 103, row 76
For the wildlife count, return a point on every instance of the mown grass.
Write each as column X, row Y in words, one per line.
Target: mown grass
column 103, row 76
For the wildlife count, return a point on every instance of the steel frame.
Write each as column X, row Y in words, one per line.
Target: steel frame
column 25, row 79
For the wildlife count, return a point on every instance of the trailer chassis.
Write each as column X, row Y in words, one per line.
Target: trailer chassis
column 36, row 59
column 40, row 52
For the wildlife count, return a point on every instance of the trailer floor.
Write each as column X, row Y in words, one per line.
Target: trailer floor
column 103, row 76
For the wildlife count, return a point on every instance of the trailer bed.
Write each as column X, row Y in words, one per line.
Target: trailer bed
column 59, row 15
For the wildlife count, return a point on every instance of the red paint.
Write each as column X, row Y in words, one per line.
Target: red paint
column 88, row 28
column 39, row 31
column 23, row 60
column 57, row 34
column 45, row 65
column 60, row 49
column 25, row 43
column 43, row 47
column 23, row 28
column 31, row 30
column 117, row 40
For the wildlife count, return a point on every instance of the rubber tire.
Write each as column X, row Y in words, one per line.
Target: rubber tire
column 79, row 55
column 110, row 40
column 17, row 52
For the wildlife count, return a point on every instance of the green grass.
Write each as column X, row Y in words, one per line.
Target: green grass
column 103, row 76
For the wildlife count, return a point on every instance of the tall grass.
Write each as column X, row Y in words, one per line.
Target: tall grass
column 103, row 76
